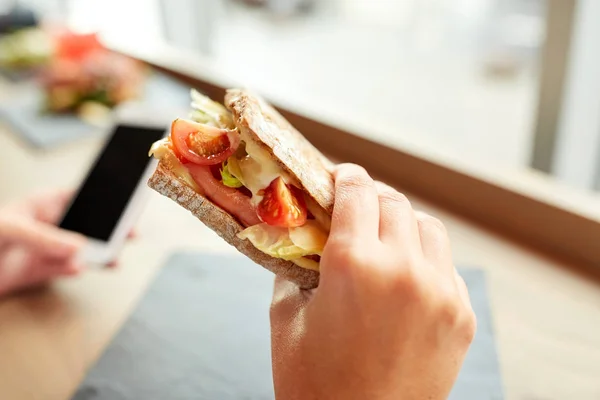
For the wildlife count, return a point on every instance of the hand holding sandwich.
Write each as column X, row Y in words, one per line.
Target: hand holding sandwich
column 391, row 317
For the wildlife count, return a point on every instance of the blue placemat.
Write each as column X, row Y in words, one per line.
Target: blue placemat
column 48, row 130
column 202, row 332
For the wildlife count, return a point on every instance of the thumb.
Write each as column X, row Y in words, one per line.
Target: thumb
column 44, row 238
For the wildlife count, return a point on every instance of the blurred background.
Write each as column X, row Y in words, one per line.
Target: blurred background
column 508, row 85
column 490, row 88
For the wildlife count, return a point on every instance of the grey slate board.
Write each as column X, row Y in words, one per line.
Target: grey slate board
column 48, row 130
column 202, row 332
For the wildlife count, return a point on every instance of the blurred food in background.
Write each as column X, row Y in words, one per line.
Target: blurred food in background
column 25, row 48
column 75, row 72
column 23, row 45
column 82, row 71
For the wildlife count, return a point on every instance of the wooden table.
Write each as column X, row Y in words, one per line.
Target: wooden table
column 547, row 319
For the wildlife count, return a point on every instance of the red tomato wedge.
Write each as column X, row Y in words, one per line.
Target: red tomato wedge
column 282, row 205
column 75, row 46
column 202, row 144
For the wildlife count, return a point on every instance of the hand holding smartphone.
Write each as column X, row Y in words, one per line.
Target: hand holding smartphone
column 114, row 191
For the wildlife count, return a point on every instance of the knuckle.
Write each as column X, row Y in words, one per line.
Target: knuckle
column 468, row 326
column 428, row 221
column 353, row 177
column 353, row 184
column 383, row 188
column 455, row 315
column 399, row 197
column 405, row 280
column 449, row 313
column 449, row 305
column 347, row 169
column 394, row 196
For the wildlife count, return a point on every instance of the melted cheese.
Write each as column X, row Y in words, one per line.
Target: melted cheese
column 159, row 148
column 259, row 169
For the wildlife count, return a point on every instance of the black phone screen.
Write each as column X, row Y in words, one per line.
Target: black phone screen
column 111, row 182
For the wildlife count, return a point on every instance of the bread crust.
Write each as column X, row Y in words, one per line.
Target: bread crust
column 227, row 227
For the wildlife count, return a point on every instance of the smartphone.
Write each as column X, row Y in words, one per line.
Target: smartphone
column 114, row 190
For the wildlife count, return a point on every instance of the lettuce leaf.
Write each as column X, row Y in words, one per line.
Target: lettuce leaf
column 229, row 179
column 207, row 111
column 233, row 166
column 284, row 243
column 202, row 117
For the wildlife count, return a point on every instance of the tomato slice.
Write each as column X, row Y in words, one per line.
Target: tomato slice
column 76, row 46
column 202, row 144
column 282, row 205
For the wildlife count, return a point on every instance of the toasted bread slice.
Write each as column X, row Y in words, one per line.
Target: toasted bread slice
column 226, row 226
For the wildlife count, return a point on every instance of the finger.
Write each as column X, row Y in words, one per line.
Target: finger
column 49, row 206
column 48, row 270
column 47, row 239
column 397, row 219
column 356, row 209
column 61, row 267
column 435, row 242
column 40, row 270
